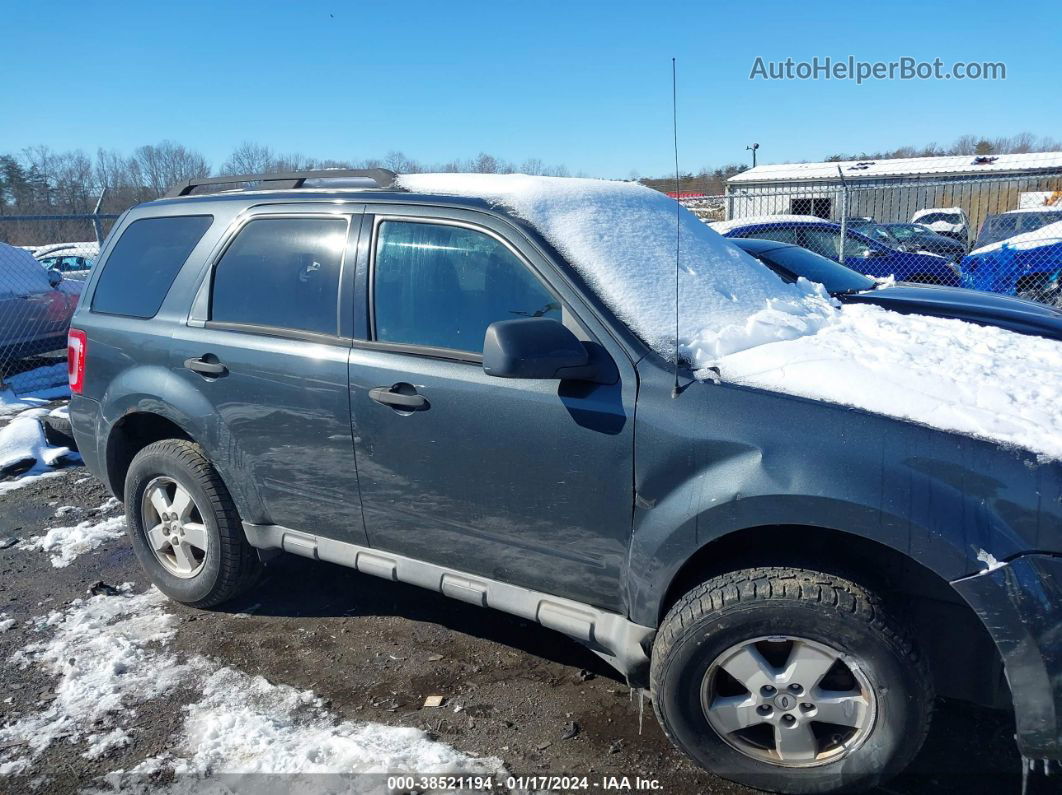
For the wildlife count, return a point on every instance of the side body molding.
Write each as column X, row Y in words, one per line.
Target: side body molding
column 620, row 642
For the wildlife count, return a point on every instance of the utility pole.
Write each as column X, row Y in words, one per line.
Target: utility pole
column 753, row 149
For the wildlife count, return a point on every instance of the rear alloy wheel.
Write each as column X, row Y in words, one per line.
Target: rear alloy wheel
column 184, row 527
column 790, row 680
column 176, row 532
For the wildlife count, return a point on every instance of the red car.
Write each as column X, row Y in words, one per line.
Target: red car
column 35, row 305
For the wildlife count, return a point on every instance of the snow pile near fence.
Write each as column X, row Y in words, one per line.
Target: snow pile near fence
column 109, row 654
column 24, row 448
column 621, row 238
column 738, row 316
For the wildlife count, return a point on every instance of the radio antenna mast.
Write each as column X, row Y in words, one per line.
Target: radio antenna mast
column 678, row 219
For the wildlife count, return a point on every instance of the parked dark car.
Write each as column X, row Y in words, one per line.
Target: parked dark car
column 850, row 287
column 860, row 252
column 423, row 388
column 916, row 237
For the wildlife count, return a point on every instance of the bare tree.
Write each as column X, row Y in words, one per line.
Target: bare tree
column 249, row 158
column 167, row 163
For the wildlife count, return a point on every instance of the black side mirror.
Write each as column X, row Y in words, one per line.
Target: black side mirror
column 54, row 277
column 535, row 347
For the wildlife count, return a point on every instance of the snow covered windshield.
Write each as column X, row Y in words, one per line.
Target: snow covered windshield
column 738, row 316
column 621, row 238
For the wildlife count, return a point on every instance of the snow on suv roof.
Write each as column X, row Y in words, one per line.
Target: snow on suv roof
column 736, row 315
column 620, row 236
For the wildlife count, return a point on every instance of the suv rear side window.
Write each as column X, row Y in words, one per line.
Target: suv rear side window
column 144, row 263
column 283, row 273
column 441, row 286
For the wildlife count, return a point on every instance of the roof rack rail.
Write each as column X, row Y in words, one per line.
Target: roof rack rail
column 287, row 179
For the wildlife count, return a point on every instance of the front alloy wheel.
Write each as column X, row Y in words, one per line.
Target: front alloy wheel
column 790, row 680
column 788, row 701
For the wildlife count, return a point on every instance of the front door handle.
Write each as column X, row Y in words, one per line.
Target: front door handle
column 388, row 397
column 204, row 367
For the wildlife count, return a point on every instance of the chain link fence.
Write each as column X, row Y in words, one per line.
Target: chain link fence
column 44, row 262
column 1002, row 235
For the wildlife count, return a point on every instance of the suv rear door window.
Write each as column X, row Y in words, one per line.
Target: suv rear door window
column 282, row 273
column 440, row 286
column 145, row 261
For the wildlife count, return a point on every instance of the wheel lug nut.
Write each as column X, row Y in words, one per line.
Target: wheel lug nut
column 795, row 688
column 764, row 709
column 788, row 719
column 767, row 690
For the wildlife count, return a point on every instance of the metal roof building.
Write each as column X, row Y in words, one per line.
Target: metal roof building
column 892, row 190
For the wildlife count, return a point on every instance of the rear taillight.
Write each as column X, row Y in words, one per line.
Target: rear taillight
column 76, row 348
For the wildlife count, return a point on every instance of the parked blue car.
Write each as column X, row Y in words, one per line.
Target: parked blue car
column 860, row 252
column 1028, row 268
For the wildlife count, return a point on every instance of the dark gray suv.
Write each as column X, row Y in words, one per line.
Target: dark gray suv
column 422, row 388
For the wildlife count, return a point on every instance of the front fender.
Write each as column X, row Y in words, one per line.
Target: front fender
column 156, row 390
column 720, row 459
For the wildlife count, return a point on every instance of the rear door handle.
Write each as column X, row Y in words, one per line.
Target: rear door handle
column 203, row 367
column 388, row 397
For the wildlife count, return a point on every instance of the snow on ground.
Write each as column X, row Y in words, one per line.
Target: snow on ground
column 983, row 382
column 1044, row 236
column 5, row 622
column 67, row 543
column 109, row 654
column 737, row 315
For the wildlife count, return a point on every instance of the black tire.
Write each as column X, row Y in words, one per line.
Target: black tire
column 741, row 606
column 230, row 565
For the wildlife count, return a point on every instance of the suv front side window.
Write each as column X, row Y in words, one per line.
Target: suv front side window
column 282, row 273
column 440, row 286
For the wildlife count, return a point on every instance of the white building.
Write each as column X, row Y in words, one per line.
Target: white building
column 893, row 190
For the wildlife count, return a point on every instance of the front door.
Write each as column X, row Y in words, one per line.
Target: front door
column 526, row 481
column 271, row 358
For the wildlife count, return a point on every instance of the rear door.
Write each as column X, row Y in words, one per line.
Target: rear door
column 525, row 481
column 267, row 344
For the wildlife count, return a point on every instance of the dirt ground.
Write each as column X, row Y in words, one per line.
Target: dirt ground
column 376, row 649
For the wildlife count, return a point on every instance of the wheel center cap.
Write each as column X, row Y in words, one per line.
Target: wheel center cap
column 784, row 702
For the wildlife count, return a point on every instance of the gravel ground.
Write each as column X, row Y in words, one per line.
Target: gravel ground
column 375, row 649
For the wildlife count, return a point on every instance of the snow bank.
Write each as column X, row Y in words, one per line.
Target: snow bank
column 737, row 315
column 109, row 653
column 22, row 442
column 984, row 382
column 1044, row 236
column 621, row 238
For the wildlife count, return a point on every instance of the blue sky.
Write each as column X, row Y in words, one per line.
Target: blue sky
column 586, row 84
